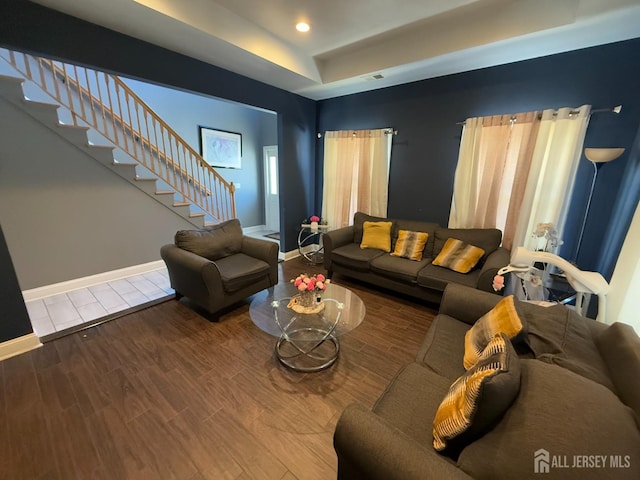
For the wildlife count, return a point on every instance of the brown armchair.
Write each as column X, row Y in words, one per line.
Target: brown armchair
column 218, row 266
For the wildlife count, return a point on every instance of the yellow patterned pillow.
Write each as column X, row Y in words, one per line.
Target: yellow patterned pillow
column 410, row 245
column 376, row 235
column 478, row 399
column 503, row 318
column 458, row 256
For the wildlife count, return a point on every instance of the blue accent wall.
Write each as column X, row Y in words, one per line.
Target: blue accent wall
column 35, row 29
column 425, row 151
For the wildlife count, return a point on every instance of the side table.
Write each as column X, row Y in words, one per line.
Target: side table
column 310, row 242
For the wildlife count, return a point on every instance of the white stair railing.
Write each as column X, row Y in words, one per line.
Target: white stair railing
column 105, row 103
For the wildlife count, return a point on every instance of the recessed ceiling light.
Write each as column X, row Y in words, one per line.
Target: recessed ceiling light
column 303, row 27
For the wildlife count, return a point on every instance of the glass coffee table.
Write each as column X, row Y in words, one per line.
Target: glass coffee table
column 307, row 342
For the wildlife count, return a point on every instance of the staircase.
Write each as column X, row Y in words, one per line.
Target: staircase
column 102, row 116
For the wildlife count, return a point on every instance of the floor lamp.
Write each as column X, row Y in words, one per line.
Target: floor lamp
column 598, row 157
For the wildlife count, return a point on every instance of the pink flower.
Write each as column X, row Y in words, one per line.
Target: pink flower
column 302, row 287
column 311, row 286
column 314, row 218
column 297, row 282
column 320, row 277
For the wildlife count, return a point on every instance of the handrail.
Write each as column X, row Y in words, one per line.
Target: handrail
column 107, row 104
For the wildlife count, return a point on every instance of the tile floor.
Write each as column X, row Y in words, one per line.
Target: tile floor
column 65, row 310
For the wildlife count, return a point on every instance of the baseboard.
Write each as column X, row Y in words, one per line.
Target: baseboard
column 255, row 228
column 84, row 282
column 291, row 254
column 19, row 345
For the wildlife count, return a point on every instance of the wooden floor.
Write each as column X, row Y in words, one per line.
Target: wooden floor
column 166, row 394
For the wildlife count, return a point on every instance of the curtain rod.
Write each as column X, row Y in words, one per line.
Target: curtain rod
column 615, row 109
column 387, row 131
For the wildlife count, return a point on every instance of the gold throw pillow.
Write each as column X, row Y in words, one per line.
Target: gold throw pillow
column 503, row 318
column 410, row 245
column 478, row 399
column 377, row 235
column 458, row 256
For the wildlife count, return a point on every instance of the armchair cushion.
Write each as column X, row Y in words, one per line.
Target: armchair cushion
column 240, row 270
column 214, row 242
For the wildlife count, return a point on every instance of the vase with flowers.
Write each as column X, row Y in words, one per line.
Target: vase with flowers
column 310, row 288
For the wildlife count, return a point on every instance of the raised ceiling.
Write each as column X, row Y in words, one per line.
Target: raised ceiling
column 353, row 41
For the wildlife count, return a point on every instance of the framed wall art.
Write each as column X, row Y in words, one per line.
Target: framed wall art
column 220, row 148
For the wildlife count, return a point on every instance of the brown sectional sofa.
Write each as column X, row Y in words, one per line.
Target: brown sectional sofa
column 419, row 279
column 578, row 400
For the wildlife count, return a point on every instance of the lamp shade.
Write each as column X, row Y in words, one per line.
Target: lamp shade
column 602, row 155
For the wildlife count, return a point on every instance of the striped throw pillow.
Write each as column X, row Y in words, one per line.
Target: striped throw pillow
column 410, row 244
column 478, row 399
column 458, row 256
column 503, row 318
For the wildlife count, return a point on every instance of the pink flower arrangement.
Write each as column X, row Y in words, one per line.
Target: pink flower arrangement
column 314, row 283
column 498, row 283
column 314, row 218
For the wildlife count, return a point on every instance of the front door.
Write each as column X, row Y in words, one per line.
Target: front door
column 271, row 196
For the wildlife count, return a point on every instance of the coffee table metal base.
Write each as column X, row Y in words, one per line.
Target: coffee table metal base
column 318, row 356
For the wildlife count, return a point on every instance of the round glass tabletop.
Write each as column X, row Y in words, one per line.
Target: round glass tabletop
column 341, row 304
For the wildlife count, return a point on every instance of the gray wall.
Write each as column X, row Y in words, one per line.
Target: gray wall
column 65, row 215
column 184, row 112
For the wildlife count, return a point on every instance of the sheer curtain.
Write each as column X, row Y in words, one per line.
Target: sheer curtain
column 493, row 168
column 553, row 169
column 356, row 174
column 515, row 171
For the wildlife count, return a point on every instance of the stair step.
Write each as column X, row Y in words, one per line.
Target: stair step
column 181, row 204
column 76, row 134
column 165, row 192
column 145, row 179
column 39, row 104
column 196, row 214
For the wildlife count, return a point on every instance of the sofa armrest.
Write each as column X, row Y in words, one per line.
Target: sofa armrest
column 495, row 261
column 465, row 303
column 264, row 250
column 190, row 274
column 369, row 448
column 334, row 239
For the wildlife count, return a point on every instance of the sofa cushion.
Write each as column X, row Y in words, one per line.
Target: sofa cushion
column 410, row 244
column 240, row 270
column 358, row 220
column 488, row 239
column 559, row 335
column 214, row 242
column 443, row 347
column 503, row 318
column 377, row 235
column 458, row 256
column 478, row 398
column 619, row 346
column 437, row 278
column 564, row 414
column 398, row 268
column 352, row 256
column 410, row 401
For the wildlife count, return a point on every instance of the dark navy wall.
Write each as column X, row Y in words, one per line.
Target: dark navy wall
column 30, row 27
column 425, row 151
column 15, row 319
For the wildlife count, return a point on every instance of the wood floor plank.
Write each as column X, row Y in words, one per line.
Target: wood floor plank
column 212, row 459
column 167, row 393
column 111, row 434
